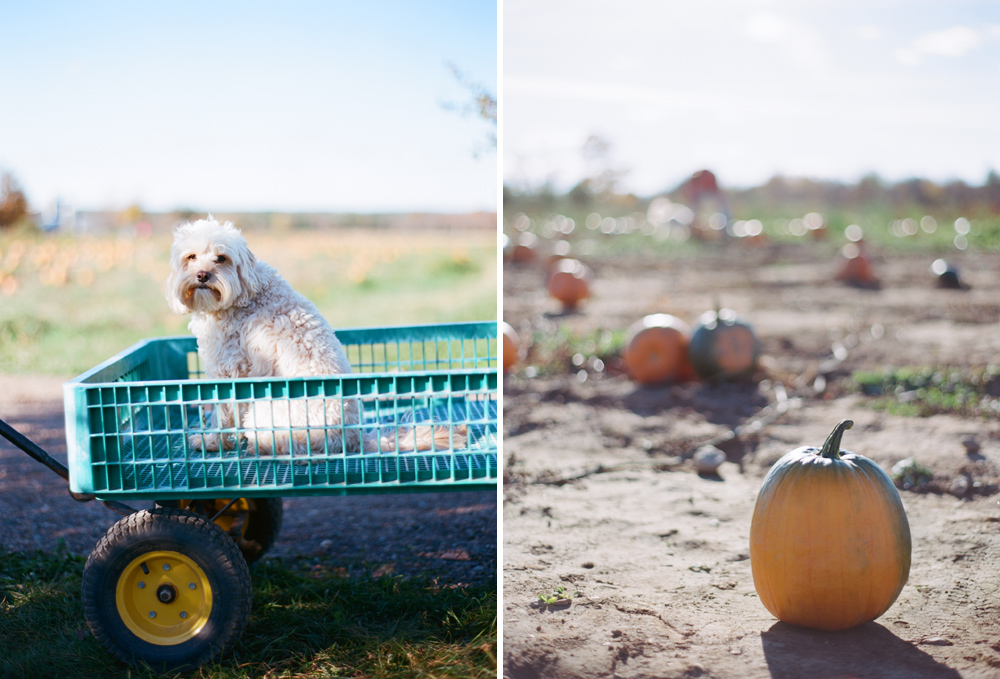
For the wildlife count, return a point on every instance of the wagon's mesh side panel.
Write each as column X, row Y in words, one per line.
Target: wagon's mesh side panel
column 154, row 436
column 373, row 352
column 288, row 435
column 139, row 373
column 400, row 356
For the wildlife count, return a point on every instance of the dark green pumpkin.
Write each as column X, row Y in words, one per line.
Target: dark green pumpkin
column 723, row 346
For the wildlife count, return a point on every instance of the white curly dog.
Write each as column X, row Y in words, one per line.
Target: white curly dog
column 251, row 323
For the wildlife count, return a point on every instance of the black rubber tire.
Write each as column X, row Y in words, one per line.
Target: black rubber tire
column 198, row 539
column 263, row 524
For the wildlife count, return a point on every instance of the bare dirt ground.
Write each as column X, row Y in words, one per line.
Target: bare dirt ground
column 449, row 536
column 600, row 496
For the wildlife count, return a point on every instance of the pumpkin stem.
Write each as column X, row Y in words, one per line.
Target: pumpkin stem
column 831, row 449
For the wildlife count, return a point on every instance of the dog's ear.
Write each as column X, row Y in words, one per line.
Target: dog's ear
column 171, row 292
column 249, row 277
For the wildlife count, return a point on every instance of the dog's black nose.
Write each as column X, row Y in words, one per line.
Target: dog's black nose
column 203, row 276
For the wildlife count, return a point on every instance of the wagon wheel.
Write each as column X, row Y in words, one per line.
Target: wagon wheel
column 254, row 523
column 166, row 587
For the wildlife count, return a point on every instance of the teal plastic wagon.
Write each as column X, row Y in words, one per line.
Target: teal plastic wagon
column 171, row 586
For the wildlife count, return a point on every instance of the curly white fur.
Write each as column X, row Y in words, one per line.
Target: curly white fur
column 251, row 323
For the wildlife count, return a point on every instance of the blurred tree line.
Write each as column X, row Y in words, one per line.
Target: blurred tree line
column 778, row 194
column 955, row 196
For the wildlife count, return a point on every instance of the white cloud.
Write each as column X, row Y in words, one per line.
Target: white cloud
column 767, row 27
column 802, row 45
column 907, row 56
column 868, row 32
column 627, row 63
column 951, row 42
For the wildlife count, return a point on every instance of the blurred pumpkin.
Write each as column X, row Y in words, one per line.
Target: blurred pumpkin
column 511, row 347
column 947, row 275
column 723, row 346
column 656, row 349
column 856, row 266
column 524, row 248
column 569, row 282
column 829, row 540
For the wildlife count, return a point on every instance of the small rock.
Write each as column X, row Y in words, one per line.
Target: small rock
column 935, row 641
column 909, row 474
column 971, row 445
column 326, row 544
column 707, row 459
column 588, row 564
column 959, row 487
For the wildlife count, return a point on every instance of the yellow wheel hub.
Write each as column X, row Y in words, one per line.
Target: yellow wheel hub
column 164, row 598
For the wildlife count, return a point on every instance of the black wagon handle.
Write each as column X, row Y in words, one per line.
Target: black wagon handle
column 36, row 452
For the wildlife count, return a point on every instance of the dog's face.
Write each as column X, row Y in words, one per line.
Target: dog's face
column 211, row 268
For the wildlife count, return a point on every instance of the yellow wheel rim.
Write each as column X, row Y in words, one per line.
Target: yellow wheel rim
column 239, row 509
column 164, row 598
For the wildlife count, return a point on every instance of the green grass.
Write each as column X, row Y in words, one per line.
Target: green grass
column 67, row 304
column 425, row 287
column 307, row 621
column 570, row 351
column 876, row 222
column 926, row 390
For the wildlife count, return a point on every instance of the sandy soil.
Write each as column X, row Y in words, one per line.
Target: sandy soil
column 450, row 536
column 600, row 496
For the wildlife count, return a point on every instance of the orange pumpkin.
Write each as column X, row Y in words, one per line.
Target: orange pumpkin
column 723, row 346
column 829, row 540
column 569, row 282
column 656, row 349
column 511, row 347
column 524, row 248
column 856, row 266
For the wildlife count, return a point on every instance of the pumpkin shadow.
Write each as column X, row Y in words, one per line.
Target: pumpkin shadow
column 719, row 402
column 711, row 476
column 563, row 312
column 869, row 650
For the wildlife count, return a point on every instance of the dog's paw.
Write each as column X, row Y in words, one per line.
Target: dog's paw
column 457, row 439
column 204, row 442
column 439, row 437
column 210, row 442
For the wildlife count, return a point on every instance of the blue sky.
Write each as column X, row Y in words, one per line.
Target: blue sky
column 248, row 105
column 750, row 89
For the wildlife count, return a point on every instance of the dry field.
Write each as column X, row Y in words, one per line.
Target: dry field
column 601, row 498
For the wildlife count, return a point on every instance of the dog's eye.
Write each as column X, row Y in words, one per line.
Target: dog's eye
column 221, row 259
column 190, row 257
